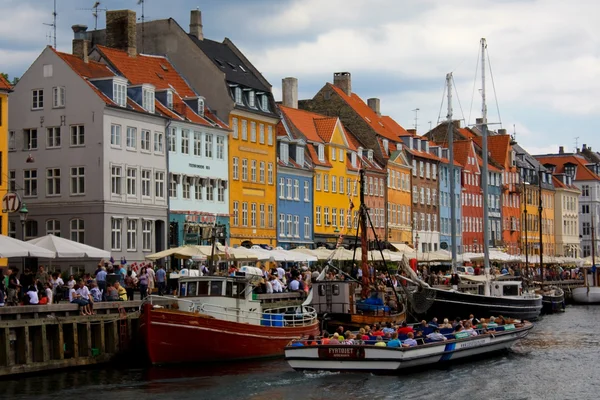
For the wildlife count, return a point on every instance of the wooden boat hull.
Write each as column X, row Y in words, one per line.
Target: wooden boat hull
column 451, row 304
column 586, row 295
column 386, row 359
column 173, row 336
column 553, row 302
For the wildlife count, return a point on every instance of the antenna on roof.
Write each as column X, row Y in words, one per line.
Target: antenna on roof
column 576, row 145
column 95, row 10
column 142, row 19
column 416, row 111
column 430, row 125
column 514, row 132
column 53, row 24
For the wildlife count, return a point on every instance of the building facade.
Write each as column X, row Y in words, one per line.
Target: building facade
column 471, row 196
column 445, row 203
column 399, row 221
column 5, row 89
column 566, row 216
column 80, row 172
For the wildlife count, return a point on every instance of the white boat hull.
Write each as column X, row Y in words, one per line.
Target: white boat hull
column 382, row 359
column 586, row 295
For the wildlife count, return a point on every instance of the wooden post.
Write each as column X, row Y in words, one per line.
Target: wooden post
column 115, row 332
column 61, row 343
column 6, row 346
column 45, row 350
column 75, row 341
column 89, row 338
column 28, row 351
column 102, row 341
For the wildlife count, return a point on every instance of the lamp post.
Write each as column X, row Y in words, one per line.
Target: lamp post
column 23, row 212
column 417, row 242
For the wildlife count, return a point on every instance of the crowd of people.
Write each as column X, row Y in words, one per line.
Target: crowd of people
column 110, row 282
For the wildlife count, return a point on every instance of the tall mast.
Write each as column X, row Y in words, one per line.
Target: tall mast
column 484, row 175
column 451, row 171
column 594, row 281
column 363, row 235
column 540, row 211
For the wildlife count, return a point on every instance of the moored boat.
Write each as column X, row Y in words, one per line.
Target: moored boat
column 373, row 358
column 553, row 299
column 215, row 318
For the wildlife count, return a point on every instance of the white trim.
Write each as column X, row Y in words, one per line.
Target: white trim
column 232, row 332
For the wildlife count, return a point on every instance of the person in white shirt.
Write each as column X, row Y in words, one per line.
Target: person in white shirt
column 436, row 335
column 49, row 292
column 277, row 286
column 84, row 294
column 33, row 295
column 280, row 273
column 269, row 285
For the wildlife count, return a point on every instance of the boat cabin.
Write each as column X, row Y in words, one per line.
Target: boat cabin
column 506, row 288
column 333, row 297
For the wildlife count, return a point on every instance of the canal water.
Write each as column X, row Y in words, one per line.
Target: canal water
column 559, row 360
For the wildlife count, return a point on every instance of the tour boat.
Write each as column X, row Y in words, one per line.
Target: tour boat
column 371, row 358
column 553, row 299
column 217, row 318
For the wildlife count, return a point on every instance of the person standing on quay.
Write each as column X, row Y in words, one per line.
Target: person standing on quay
column 101, row 280
column 42, row 275
column 143, row 281
column 161, row 280
column 151, row 278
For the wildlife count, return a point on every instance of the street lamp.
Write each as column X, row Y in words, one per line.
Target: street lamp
column 417, row 242
column 23, row 212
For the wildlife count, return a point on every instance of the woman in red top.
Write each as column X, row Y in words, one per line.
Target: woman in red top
column 404, row 329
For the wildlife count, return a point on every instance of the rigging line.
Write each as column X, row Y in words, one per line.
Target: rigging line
column 474, row 83
column 441, row 105
column 494, row 87
column 458, row 98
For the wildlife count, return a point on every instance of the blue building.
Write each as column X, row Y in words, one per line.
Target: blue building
column 446, row 203
column 294, row 191
column 494, row 206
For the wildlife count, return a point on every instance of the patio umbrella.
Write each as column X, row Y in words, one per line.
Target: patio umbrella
column 10, row 247
column 184, row 252
column 65, row 248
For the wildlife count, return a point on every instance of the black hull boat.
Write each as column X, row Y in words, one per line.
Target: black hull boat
column 451, row 304
column 553, row 300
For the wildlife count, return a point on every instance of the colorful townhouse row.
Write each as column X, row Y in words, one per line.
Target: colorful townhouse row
column 136, row 150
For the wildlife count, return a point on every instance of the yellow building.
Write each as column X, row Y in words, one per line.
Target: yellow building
column 399, row 199
column 530, row 234
column 548, row 212
column 252, row 177
column 5, row 88
column 334, row 156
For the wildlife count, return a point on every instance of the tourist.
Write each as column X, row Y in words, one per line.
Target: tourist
column 42, row 275
column 277, row 285
column 433, row 322
column 377, row 331
column 388, row 328
column 151, row 278
column 436, row 335
column 469, row 329
column 455, row 281
column 96, row 293
column 143, row 281
column 394, row 341
column 71, row 283
column 161, row 280
column 325, row 339
column 349, row 338
column 13, row 288
column 295, row 286
column 130, row 285
column 311, row 341
column 362, row 334
column 49, row 293
column 112, row 294
column 57, row 287
column 121, row 292
column 26, row 280
column 410, row 341
column 268, row 284
column 405, row 329
column 492, row 323
column 75, row 298
column 33, row 298
column 280, row 273
column 446, row 324
column 85, row 294
column 379, row 342
column 101, row 280
column 335, row 339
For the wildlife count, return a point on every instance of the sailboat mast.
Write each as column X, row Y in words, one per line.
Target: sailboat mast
column 594, row 281
column 451, row 172
column 540, row 211
column 484, row 174
column 363, row 235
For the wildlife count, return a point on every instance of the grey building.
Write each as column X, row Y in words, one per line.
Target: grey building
column 77, row 160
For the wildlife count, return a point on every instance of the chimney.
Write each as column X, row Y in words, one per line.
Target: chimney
column 501, row 131
column 289, row 89
column 121, row 31
column 456, row 123
column 412, row 132
column 584, row 148
column 374, row 104
column 343, row 80
column 561, row 150
column 81, row 46
column 196, row 24
column 478, row 121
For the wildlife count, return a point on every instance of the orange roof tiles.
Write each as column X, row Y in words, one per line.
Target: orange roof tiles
column 315, row 127
column 583, row 173
column 462, row 149
column 559, row 184
column 490, row 166
column 315, row 157
column 325, row 127
column 467, row 133
column 394, row 126
column 4, row 85
column 498, row 146
column 376, row 122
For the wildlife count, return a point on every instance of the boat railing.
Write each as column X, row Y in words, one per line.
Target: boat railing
column 291, row 316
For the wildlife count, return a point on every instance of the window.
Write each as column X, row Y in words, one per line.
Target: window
column 201, row 107
column 185, row 186
column 235, row 168
column 290, row 228
column 270, row 216
column 244, row 129
column 253, row 215
column 341, row 157
column 145, row 140
column 131, row 234
column 326, row 182
column 53, row 227
column 585, row 208
column 253, row 171
column 270, row 135
column 270, row 173
column 120, row 94
column 115, row 233
column 236, row 213
column 306, row 228
column 341, row 217
column 289, row 189
column 307, row 191
column 244, row 214
column 78, row 230
column 58, row 97
column 334, row 216
column 198, row 189
column 172, row 137
column 53, row 137
column 147, row 235
column 131, row 181
column 169, row 99
column 210, row 190
column 12, row 140
column 261, row 133
column 197, row 143
column 185, row 141
column 321, row 154
column 12, row 180
column 159, row 184
column 427, row 170
column 244, row 169
column 148, row 100
column 333, row 152
column 261, row 175
column 421, row 169
column 341, row 188
column 37, row 102
column 281, row 224
column 131, row 140
column 234, row 128
column 77, row 181
column 333, row 184
column 370, row 189
column 252, row 131
column 318, row 181
column 414, row 167
column 30, row 183
column 115, row 179
column 262, row 216
column 221, row 148
column 146, row 179
column 318, row 215
column 296, row 226
column 251, row 99
column 326, row 215
column 376, row 187
column 381, row 187
column 158, row 142
column 77, row 135
column 208, row 145
column 585, row 190
column 296, row 189
column 238, row 95
column 31, row 229
column 30, row 140
column 115, row 135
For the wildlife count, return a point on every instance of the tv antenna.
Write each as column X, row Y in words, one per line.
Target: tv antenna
column 416, row 111
column 53, row 24
column 142, row 19
column 95, row 10
column 577, row 144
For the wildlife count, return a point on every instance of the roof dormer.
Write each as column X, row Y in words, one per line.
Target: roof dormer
column 148, row 97
column 571, row 169
column 114, row 87
column 386, row 146
column 370, row 155
column 165, row 97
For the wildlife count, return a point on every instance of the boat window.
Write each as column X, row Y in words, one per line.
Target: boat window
column 510, row 290
column 335, row 290
column 203, row 288
column 239, row 290
column 183, row 289
column 229, row 289
column 321, row 290
column 192, row 287
column 216, row 288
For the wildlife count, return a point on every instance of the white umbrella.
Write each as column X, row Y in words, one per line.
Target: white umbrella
column 65, row 248
column 263, row 254
column 10, row 247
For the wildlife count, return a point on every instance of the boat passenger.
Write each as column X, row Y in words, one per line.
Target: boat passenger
column 311, row 341
column 362, row 334
column 297, row 343
column 473, row 320
column 388, row 328
column 394, row 341
column 492, row 323
column 436, row 335
column 377, row 331
column 277, row 285
column 458, row 328
column 469, row 329
column 410, row 342
column 269, row 285
column 405, row 329
column 433, row 322
column 500, row 320
column 349, row 338
column 379, row 342
column 446, row 324
column 335, row 339
column 457, row 321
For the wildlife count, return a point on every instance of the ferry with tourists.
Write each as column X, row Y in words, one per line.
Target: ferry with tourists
column 218, row 318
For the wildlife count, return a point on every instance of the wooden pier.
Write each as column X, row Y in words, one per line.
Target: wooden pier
column 47, row 337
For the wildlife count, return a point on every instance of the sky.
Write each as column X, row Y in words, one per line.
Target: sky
column 544, row 82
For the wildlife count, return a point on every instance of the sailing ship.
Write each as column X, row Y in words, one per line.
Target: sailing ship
column 589, row 293
column 493, row 297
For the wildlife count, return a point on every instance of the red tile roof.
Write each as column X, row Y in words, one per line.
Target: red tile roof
column 559, row 184
column 315, row 127
column 467, row 133
column 490, row 166
column 4, row 85
column 376, row 122
column 325, row 127
column 583, row 173
column 280, row 130
column 462, row 149
column 394, row 126
column 498, row 146
column 315, row 157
